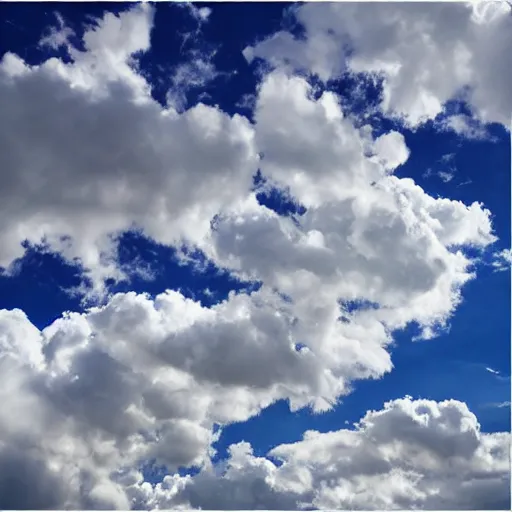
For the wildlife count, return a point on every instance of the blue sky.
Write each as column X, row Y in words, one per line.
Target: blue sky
column 220, row 216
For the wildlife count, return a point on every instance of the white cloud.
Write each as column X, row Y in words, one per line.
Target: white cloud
column 197, row 72
column 135, row 380
column 58, row 37
column 499, row 405
column 464, row 125
column 446, row 176
column 413, row 454
column 142, row 379
column 169, row 174
column 87, row 154
column 502, row 260
column 96, row 395
column 427, row 54
column 197, row 69
column 310, row 148
column 391, row 150
column 365, row 235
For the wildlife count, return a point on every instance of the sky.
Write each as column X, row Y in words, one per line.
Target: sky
column 255, row 256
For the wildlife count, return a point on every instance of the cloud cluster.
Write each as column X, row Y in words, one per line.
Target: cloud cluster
column 89, row 400
column 427, row 54
column 95, row 396
column 366, row 234
column 87, row 154
column 412, row 454
column 134, row 381
column 502, row 260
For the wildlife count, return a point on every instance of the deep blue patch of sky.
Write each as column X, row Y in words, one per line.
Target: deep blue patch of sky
column 196, row 277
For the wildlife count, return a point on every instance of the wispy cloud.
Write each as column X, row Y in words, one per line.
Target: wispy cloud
column 498, row 405
column 447, row 171
column 446, row 176
column 464, row 125
column 502, row 260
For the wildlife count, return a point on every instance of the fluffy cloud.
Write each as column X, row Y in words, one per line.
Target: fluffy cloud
column 411, row 454
column 87, row 154
column 95, row 396
column 366, row 235
column 137, row 380
column 427, row 54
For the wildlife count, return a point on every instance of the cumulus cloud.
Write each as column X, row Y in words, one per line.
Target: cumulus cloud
column 427, row 54
column 140, row 380
column 412, row 454
column 365, row 234
column 96, row 396
column 463, row 125
column 93, row 155
column 107, row 391
column 87, row 155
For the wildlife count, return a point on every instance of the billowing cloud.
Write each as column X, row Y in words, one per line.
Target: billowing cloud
column 87, row 154
column 413, row 454
column 137, row 380
column 366, row 234
column 427, row 54
column 95, row 396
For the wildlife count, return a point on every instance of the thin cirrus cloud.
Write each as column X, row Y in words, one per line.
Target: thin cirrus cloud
column 88, row 154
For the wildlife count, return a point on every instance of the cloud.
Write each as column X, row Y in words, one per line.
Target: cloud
column 134, row 381
column 197, row 69
column 427, row 54
column 446, row 176
column 196, row 73
column 81, row 138
column 96, row 396
column 365, row 234
column 412, row 454
column 139, row 380
column 87, row 154
column 499, row 405
column 464, row 125
column 502, row 260
column 58, row 37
